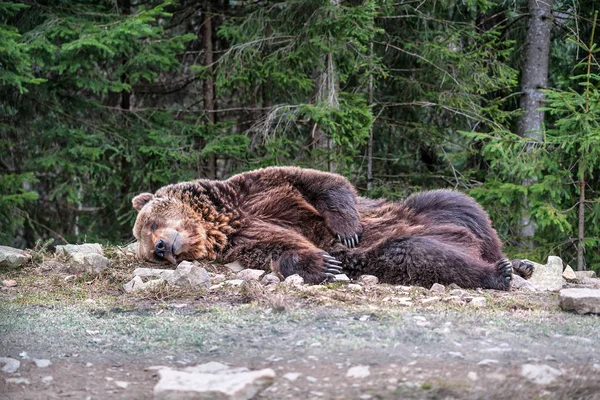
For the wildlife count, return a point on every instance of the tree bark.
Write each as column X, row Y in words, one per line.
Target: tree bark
column 370, row 140
column 534, row 78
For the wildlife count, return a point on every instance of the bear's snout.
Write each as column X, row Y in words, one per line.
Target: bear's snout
column 160, row 248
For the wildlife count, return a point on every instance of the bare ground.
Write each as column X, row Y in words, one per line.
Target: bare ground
column 98, row 337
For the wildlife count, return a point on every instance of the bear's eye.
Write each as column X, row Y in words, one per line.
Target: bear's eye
column 154, row 227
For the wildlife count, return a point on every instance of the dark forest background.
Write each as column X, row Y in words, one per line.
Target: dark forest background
column 101, row 100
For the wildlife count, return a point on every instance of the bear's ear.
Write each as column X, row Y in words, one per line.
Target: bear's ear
column 141, row 200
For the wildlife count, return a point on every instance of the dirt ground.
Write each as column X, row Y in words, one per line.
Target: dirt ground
column 103, row 343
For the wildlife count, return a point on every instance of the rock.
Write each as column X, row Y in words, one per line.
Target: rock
column 165, row 274
column 590, row 282
column 47, row 379
column 250, row 274
column 294, row 280
column 582, row 301
column 10, row 365
column 292, row 376
column 220, row 384
column 71, row 249
column 342, row 278
column 472, row 375
column 569, row 274
column 235, row 266
column 354, row 287
column 11, row 257
column 9, row 283
column 458, row 292
column 430, row 300
column 122, row 384
column 478, row 301
column 540, row 374
column 17, row 381
column 270, row 279
column 360, row 371
column 42, row 363
column 453, row 299
column 217, row 278
column 549, row 276
column 368, row 280
column 487, row 362
column 189, row 275
column 92, row 263
column 585, row 274
column 453, row 286
column 234, row 282
column 520, row 283
column 136, row 284
column 437, row 288
column 24, row 355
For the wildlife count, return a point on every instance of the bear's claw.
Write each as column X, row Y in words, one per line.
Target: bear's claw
column 349, row 242
column 523, row 268
column 332, row 266
column 505, row 268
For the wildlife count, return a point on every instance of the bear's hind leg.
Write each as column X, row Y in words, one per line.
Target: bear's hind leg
column 422, row 260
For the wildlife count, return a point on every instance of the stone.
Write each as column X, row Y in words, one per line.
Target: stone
column 270, row 279
column 42, row 363
column 17, row 381
column 136, row 284
column 569, row 274
column 11, row 257
column 453, row 299
column 472, row 375
column 585, row 274
column 580, row 300
column 458, row 292
column 437, row 288
column 487, row 362
column 354, row 287
column 478, row 302
column 294, row 280
column 341, row 278
column 10, row 365
column 368, row 280
column 189, row 275
column 250, row 274
column 122, row 384
column 360, row 371
column 540, row 374
column 9, row 283
column 453, row 286
column 234, row 282
column 154, row 272
column 292, row 376
column 549, row 276
column 71, row 249
column 221, row 384
column 234, row 266
column 430, row 300
column 91, row 263
column 520, row 283
column 47, row 379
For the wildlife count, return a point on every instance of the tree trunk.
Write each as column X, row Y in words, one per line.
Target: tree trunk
column 209, row 82
column 534, row 77
column 370, row 140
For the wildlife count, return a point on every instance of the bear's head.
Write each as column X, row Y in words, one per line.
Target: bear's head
column 168, row 229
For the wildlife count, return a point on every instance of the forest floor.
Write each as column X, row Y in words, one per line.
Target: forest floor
column 102, row 342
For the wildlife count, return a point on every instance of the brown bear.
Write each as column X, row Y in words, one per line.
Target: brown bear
column 312, row 223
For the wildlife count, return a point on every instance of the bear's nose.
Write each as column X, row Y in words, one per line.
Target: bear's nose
column 159, row 248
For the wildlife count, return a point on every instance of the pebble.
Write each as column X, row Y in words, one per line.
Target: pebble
column 354, row 287
column 540, row 374
column 42, row 363
column 122, row 384
column 368, row 280
column 10, row 365
column 292, row 376
column 9, row 283
column 359, row 371
column 47, row 379
column 437, row 288
column 472, row 376
column 478, row 301
column 17, row 381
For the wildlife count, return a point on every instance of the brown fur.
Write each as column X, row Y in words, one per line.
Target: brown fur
column 287, row 218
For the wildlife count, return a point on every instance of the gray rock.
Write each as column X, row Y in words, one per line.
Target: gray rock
column 11, row 257
column 91, row 263
column 165, row 274
column 458, row 292
column 520, row 283
column 478, row 302
column 582, row 301
column 250, row 274
column 10, row 365
column 368, row 280
column 219, row 384
column 234, row 282
column 190, row 276
column 42, row 363
column 270, row 279
column 549, row 276
column 71, row 249
column 342, row 278
column 137, row 284
column 294, row 280
column 354, row 287
column 235, row 266
column 430, row 300
column 17, row 381
column 585, row 274
column 540, row 374
column 437, row 288
column 569, row 274
column 360, row 371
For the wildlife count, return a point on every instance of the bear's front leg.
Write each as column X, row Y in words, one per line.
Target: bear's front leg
column 267, row 246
